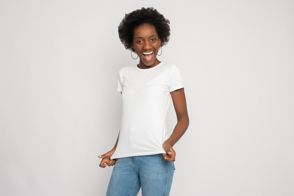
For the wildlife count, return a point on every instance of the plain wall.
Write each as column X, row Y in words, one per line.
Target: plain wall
column 59, row 107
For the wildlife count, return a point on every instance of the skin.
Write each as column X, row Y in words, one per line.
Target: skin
column 146, row 40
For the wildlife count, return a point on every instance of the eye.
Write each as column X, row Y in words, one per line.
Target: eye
column 153, row 39
column 139, row 41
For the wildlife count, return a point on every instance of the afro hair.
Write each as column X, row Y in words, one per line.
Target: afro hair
column 141, row 16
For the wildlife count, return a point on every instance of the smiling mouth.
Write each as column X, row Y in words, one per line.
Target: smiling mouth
column 148, row 55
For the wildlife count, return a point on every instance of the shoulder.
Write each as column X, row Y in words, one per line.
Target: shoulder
column 167, row 66
column 171, row 67
column 124, row 70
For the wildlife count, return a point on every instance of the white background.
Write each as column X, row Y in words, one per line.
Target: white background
column 59, row 107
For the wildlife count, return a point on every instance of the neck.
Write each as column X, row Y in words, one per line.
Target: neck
column 143, row 66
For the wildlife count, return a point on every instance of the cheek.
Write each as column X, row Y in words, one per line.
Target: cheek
column 138, row 47
column 138, row 50
column 157, row 47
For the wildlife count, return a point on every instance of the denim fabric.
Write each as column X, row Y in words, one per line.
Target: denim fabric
column 151, row 172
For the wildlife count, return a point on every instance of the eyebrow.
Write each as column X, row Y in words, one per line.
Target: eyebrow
column 142, row 37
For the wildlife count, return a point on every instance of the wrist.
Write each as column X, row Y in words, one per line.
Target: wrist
column 170, row 142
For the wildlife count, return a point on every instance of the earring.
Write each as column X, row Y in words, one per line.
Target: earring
column 132, row 55
column 161, row 52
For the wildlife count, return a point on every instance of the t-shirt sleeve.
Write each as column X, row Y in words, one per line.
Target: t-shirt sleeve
column 119, row 81
column 176, row 79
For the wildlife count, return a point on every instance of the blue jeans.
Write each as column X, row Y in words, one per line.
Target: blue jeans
column 151, row 172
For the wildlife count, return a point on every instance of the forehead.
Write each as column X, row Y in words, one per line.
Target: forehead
column 144, row 30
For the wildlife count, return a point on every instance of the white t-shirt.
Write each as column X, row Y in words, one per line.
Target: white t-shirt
column 145, row 102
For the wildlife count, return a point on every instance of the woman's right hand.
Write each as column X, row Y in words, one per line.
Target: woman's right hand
column 106, row 159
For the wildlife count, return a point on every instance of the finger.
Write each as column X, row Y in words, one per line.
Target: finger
column 168, row 159
column 173, row 154
column 108, row 154
column 104, row 162
column 103, row 165
column 174, row 151
column 104, row 155
column 170, row 156
column 164, row 155
column 110, row 163
column 171, row 159
column 169, row 153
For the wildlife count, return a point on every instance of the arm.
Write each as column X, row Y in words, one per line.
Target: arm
column 179, row 101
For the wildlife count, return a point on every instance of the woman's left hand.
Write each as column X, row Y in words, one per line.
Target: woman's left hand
column 171, row 153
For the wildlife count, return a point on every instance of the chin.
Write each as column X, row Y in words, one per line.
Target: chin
column 149, row 63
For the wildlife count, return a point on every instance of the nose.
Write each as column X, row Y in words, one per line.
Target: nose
column 147, row 46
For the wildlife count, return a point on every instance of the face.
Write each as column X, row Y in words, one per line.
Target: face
column 146, row 44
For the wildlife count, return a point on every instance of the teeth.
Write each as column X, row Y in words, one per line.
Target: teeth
column 148, row 52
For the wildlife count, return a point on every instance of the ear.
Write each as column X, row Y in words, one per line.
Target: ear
column 159, row 41
column 132, row 46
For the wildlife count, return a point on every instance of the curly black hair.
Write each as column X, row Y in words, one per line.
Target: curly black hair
column 138, row 17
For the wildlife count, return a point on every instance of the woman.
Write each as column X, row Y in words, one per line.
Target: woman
column 143, row 155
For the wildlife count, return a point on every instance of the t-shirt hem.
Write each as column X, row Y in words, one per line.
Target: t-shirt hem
column 138, row 154
column 175, row 88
